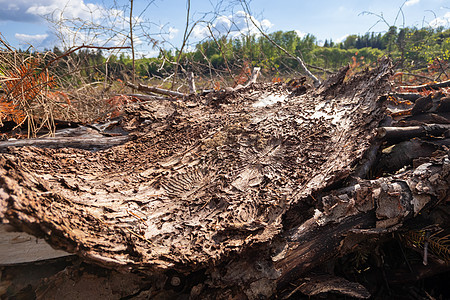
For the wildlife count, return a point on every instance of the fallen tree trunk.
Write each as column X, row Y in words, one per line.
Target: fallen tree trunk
column 225, row 190
column 195, row 162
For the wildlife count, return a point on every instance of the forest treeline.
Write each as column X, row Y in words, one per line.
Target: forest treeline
column 413, row 49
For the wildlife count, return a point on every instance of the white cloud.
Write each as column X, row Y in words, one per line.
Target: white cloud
column 16, row 11
column 342, row 38
column 411, row 2
column 74, row 22
column 301, row 34
column 34, row 11
column 172, row 32
column 234, row 25
column 31, row 39
column 12, row 7
column 71, row 9
column 441, row 21
column 200, row 31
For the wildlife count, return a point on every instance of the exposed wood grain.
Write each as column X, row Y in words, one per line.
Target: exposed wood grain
column 89, row 142
column 196, row 183
column 20, row 247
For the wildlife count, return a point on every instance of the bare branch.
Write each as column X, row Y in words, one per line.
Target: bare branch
column 146, row 88
column 430, row 86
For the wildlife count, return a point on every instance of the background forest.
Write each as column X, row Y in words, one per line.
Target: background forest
column 88, row 83
column 424, row 52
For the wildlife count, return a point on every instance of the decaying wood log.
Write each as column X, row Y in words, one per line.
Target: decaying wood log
column 406, row 96
column 402, row 154
column 210, row 188
column 198, row 166
column 150, row 97
column 378, row 205
column 327, row 283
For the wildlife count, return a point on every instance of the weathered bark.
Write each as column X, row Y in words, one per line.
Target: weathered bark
column 371, row 205
column 327, row 283
column 209, row 188
column 402, row 154
column 178, row 195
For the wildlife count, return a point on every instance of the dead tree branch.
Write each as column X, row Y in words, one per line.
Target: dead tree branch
column 430, row 86
column 253, row 77
column 152, row 89
column 405, row 133
column 191, row 83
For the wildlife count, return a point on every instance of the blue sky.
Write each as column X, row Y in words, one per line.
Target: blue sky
column 25, row 22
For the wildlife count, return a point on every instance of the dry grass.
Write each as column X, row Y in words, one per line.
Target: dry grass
column 33, row 96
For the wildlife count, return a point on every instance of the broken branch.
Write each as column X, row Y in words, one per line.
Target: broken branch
column 152, row 89
column 405, row 133
column 429, row 86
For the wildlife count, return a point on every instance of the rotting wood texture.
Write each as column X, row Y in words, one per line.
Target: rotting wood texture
column 197, row 181
column 203, row 179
